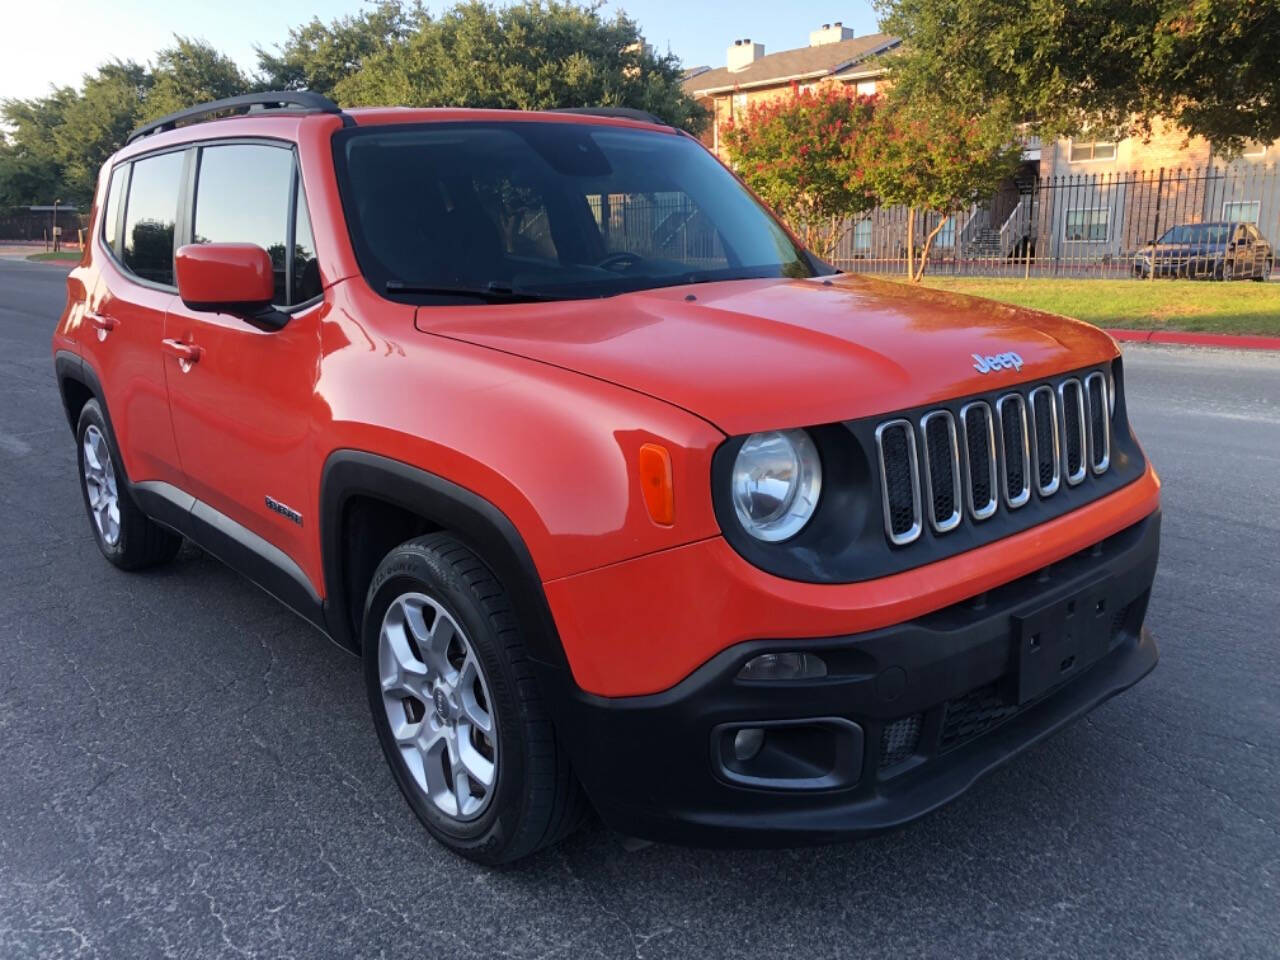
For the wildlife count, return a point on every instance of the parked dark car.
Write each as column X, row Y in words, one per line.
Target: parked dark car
column 1217, row 251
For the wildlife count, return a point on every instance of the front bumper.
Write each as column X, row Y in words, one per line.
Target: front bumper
column 934, row 701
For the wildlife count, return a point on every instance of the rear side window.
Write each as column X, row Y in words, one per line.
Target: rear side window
column 111, row 210
column 150, row 215
column 242, row 196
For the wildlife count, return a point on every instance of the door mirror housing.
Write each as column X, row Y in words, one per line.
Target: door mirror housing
column 234, row 278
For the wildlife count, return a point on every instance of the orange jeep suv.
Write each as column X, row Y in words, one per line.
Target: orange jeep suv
column 626, row 499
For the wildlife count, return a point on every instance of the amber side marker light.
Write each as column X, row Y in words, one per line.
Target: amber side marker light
column 655, row 481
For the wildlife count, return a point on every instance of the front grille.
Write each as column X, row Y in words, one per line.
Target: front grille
column 1073, row 427
column 980, row 459
column 977, row 712
column 974, row 714
column 899, row 740
column 1015, row 449
column 992, row 454
column 1044, row 429
column 899, row 480
column 941, row 470
column 1099, row 412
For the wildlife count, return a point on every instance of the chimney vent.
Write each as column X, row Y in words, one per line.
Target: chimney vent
column 743, row 54
column 830, row 33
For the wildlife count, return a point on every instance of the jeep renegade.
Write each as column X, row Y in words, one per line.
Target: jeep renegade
column 624, row 498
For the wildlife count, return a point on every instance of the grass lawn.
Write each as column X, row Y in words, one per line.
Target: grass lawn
column 1240, row 307
column 73, row 255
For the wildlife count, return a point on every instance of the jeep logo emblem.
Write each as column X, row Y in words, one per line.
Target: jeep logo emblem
column 999, row 361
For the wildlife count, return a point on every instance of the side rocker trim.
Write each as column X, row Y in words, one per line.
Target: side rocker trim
column 255, row 558
column 474, row 520
column 237, row 546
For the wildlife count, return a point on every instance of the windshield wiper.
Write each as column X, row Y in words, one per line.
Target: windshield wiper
column 492, row 292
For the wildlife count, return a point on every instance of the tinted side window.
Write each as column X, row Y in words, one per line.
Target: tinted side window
column 306, row 270
column 111, row 209
column 149, row 217
column 242, row 196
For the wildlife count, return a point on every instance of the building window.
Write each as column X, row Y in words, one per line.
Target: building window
column 739, row 101
column 866, row 88
column 1241, row 211
column 946, row 237
column 1087, row 151
column 1088, row 225
column 862, row 237
column 1255, row 149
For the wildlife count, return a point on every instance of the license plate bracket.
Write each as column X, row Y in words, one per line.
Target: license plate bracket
column 1059, row 641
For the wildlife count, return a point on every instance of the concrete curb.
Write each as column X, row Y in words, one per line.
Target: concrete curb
column 1227, row 340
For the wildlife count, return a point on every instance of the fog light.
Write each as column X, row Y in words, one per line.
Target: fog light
column 747, row 742
column 783, row 666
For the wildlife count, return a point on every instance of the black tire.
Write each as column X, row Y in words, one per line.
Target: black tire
column 1265, row 274
column 536, row 799
column 140, row 542
column 1226, row 271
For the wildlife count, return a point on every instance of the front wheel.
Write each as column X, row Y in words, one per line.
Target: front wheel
column 457, row 708
column 1265, row 273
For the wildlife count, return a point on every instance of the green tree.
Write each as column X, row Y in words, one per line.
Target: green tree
column 1067, row 65
column 933, row 157
column 528, row 56
column 30, row 161
column 317, row 56
column 96, row 122
column 802, row 154
column 192, row 72
column 25, row 179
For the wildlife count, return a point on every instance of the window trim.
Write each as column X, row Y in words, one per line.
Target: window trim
column 1259, row 151
column 1257, row 208
column 1092, row 144
column 1066, row 224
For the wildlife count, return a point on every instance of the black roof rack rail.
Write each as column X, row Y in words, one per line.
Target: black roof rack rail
column 625, row 113
column 302, row 100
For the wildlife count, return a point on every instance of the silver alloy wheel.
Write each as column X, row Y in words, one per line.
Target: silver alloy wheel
column 438, row 705
column 100, row 485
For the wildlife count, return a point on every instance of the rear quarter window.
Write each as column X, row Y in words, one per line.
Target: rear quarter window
column 110, row 219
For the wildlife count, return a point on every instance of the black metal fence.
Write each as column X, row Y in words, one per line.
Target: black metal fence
column 1203, row 222
column 35, row 224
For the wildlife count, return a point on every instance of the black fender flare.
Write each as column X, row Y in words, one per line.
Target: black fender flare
column 70, row 367
column 480, row 524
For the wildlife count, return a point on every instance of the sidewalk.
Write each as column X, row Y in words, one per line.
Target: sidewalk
column 1183, row 338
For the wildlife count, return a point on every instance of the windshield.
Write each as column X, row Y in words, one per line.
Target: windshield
column 548, row 210
column 1203, row 233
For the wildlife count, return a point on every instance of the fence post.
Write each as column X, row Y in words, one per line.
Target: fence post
column 1155, row 231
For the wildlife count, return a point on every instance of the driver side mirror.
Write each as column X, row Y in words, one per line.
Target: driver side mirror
column 234, row 278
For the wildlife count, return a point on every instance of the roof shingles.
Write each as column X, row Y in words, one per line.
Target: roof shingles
column 785, row 65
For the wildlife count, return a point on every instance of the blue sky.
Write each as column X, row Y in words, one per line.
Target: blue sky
column 55, row 41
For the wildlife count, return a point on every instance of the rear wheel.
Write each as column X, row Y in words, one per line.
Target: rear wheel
column 458, row 711
column 1226, row 270
column 125, row 535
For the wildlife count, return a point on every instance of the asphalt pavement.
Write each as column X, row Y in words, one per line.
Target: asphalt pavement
column 187, row 769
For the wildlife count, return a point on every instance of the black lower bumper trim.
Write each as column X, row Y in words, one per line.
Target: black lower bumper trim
column 941, row 701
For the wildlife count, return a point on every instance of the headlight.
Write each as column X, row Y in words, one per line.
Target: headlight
column 776, row 481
